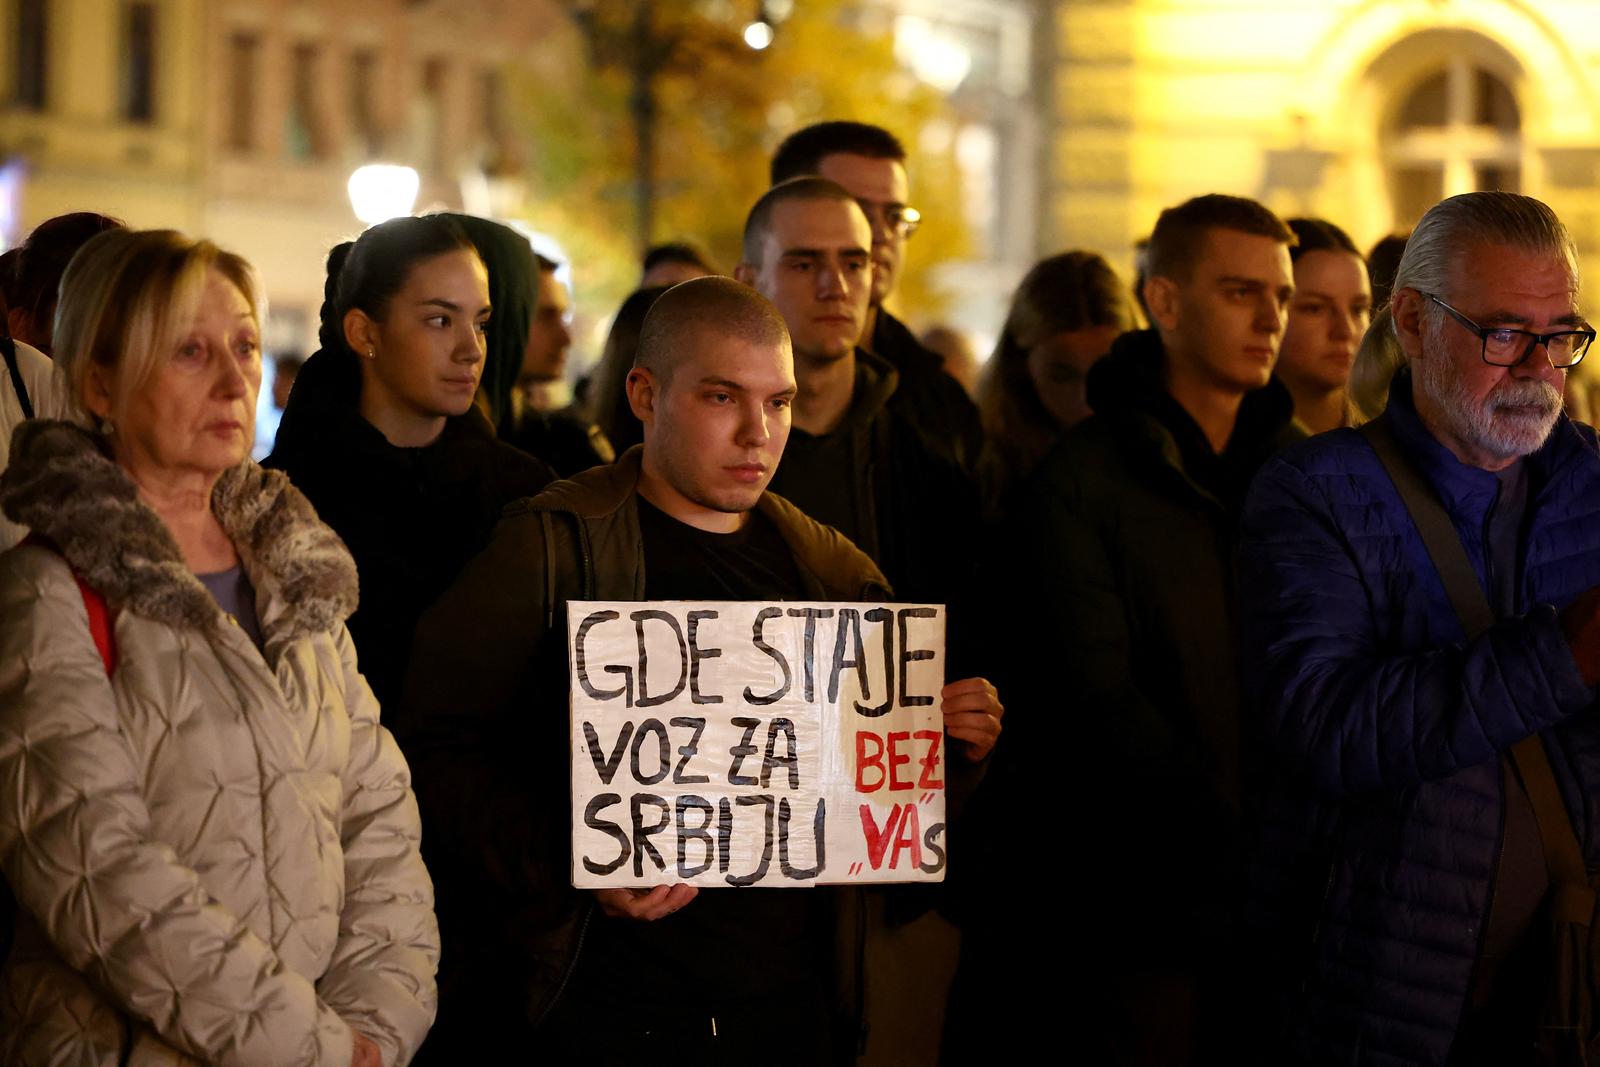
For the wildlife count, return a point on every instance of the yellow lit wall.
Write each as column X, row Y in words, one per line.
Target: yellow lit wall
column 1291, row 101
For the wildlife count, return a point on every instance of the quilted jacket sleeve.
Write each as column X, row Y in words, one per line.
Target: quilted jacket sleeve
column 381, row 978
column 76, row 847
column 1332, row 697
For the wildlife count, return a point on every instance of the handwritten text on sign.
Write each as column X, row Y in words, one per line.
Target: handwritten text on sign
column 773, row 744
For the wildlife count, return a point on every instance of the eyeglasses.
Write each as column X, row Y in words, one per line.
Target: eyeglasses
column 1506, row 347
column 900, row 220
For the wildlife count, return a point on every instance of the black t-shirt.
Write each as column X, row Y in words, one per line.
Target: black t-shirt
column 819, row 474
column 729, row 947
column 682, row 562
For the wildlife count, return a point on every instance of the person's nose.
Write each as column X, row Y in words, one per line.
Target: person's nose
column 1271, row 313
column 1536, row 363
column 231, row 380
column 1344, row 325
column 753, row 429
column 831, row 284
column 472, row 344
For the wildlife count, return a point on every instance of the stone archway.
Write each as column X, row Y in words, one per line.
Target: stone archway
column 1351, row 98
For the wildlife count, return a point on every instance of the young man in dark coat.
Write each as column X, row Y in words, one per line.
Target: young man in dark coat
column 1126, row 537
column 870, row 163
column 538, row 966
column 859, row 461
column 1400, row 887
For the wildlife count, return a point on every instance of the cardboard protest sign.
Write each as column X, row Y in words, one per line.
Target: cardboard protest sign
column 771, row 744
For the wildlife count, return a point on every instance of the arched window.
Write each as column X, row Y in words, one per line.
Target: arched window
column 1457, row 130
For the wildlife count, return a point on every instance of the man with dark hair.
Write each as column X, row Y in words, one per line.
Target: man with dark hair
column 857, row 462
column 1127, row 533
column 544, row 421
column 859, row 459
column 678, row 261
column 41, row 261
column 870, row 163
column 685, row 516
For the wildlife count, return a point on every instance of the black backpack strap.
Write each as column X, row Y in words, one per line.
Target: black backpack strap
column 9, row 347
column 1532, row 762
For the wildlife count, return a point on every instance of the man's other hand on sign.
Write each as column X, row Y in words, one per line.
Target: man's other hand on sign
column 972, row 713
column 658, row 903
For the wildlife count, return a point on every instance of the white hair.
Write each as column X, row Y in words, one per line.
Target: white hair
column 1445, row 234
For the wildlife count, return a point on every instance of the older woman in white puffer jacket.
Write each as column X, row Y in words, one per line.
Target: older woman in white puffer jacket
column 213, row 843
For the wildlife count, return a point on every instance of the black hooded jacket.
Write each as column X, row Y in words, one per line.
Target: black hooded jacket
column 411, row 517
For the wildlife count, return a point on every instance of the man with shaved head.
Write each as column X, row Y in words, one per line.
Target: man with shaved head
column 684, row 516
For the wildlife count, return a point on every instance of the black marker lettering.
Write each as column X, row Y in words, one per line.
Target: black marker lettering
column 639, row 618
column 591, row 819
column 578, row 654
column 911, row 655
column 696, row 654
column 687, row 752
column 741, row 750
column 760, row 642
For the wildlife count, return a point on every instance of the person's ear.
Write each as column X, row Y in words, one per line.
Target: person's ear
column 360, row 333
column 1161, row 297
column 746, row 273
column 643, row 392
column 1406, row 306
column 97, row 389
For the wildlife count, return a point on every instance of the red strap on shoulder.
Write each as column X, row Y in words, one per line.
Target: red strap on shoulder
column 93, row 603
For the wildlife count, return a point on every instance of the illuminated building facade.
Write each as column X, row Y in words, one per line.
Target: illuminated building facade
column 1362, row 111
column 243, row 119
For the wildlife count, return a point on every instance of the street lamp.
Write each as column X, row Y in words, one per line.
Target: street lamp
column 383, row 191
column 758, row 35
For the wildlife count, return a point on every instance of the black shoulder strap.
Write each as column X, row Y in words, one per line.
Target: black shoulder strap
column 9, row 347
column 1438, row 533
column 1562, row 854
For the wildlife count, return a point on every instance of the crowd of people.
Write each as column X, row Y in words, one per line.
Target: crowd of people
column 1285, row 753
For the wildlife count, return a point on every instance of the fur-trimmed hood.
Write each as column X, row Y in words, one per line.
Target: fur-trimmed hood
column 61, row 484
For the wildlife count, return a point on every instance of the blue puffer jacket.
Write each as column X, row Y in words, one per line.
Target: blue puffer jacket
column 1380, row 825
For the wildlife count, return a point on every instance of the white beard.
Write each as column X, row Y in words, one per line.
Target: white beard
column 1513, row 420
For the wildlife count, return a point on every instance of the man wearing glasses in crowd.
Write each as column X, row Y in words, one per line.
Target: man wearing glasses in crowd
column 1420, row 609
column 870, row 163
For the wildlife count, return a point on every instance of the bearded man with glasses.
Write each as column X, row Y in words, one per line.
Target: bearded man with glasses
column 1421, row 631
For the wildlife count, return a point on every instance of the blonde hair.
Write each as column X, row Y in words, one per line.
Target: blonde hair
column 1446, row 232
column 125, row 300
